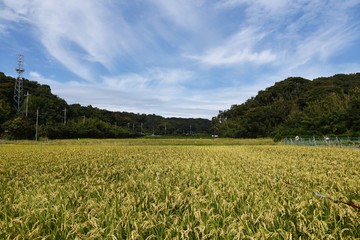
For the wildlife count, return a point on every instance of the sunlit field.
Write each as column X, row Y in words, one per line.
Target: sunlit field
column 178, row 189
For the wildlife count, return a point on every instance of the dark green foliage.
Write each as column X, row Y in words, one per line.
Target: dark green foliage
column 91, row 128
column 296, row 106
column 19, row 128
column 81, row 121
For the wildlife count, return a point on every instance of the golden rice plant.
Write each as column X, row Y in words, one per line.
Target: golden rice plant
column 146, row 189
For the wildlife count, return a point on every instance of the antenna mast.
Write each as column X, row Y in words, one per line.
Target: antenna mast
column 18, row 90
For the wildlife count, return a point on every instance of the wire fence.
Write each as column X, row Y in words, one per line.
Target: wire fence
column 324, row 141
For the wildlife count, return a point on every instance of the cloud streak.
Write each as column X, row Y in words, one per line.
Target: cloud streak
column 238, row 49
column 77, row 34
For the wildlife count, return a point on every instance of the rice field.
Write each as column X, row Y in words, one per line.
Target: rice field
column 177, row 189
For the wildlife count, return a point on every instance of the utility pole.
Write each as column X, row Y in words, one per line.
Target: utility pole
column 64, row 116
column 141, row 128
column 165, row 128
column 84, row 119
column 27, row 103
column 37, row 124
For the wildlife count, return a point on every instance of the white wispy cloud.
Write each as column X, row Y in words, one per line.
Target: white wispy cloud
column 185, row 14
column 297, row 34
column 135, row 93
column 77, row 33
column 322, row 45
column 6, row 16
column 170, row 76
column 151, row 78
column 318, row 34
column 239, row 48
column 254, row 8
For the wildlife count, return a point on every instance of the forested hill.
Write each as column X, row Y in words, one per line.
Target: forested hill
column 81, row 121
column 297, row 106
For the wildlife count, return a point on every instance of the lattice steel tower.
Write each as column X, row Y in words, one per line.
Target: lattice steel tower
column 18, row 90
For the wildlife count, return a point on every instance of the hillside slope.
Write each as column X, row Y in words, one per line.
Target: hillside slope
column 297, row 106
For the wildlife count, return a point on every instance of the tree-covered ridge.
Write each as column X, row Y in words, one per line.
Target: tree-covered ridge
column 297, row 106
column 81, row 121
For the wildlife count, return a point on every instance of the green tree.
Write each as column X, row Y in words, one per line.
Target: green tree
column 19, row 128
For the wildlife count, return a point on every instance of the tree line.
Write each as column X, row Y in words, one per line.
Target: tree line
column 296, row 107
column 292, row 107
column 58, row 120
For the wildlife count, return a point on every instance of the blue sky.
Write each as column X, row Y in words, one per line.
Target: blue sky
column 176, row 58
